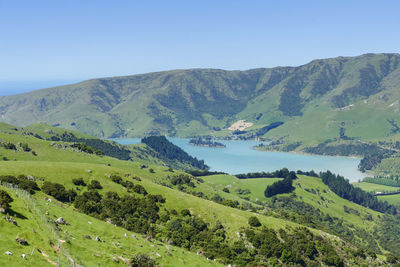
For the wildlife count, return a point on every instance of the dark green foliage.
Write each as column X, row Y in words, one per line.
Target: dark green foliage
column 89, row 202
column 21, row 181
column 253, row 221
column 291, row 102
column 204, row 172
column 185, row 212
column 116, row 178
column 226, row 190
column 137, row 188
column 172, row 152
column 9, row 145
column 383, row 181
column 269, row 127
column 282, row 173
column 369, row 84
column 59, row 192
column 87, row 149
column 344, row 189
column 303, row 213
column 5, row 200
column 279, row 187
column 78, row 181
column 97, row 146
column 205, row 142
column 94, row 184
column 372, row 153
column 182, row 179
column 25, row 147
column 141, row 260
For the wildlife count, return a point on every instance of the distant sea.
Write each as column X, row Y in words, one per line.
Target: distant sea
column 19, row 87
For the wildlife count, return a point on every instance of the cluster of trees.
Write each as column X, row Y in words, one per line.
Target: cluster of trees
column 204, row 172
column 282, row 173
column 21, row 181
column 107, row 148
column 200, row 142
column 383, row 181
column 372, row 153
column 344, row 189
column 58, row 191
column 268, row 128
column 170, row 151
column 9, row 145
column 279, row 187
column 299, row 247
column 288, row 208
column 182, row 179
column 87, row 149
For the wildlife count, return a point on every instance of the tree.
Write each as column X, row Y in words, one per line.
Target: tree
column 94, row 184
column 142, row 260
column 5, row 200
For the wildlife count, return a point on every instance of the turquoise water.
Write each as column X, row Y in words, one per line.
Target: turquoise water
column 239, row 157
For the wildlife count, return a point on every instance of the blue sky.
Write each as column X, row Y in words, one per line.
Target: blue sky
column 45, row 43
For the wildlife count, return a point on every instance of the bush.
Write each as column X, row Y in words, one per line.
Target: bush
column 139, row 189
column 253, row 221
column 79, row 181
column 59, row 192
column 141, row 260
column 21, row 181
column 94, row 184
column 5, row 200
column 116, row 178
column 185, row 212
column 226, row 190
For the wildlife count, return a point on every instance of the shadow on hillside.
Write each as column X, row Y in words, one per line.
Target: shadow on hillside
column 16, row 214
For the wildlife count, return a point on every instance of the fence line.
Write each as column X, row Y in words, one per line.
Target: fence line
column 30, row 202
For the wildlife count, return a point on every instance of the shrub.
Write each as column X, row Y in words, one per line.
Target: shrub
column 185, row 212
column 253, row 221
column 116, row 178
column 139, row 189
column 5, row 200
column 59, row 192
column 79, row 181
column 141, row 260
column 226, row 190
column 94, row 184
column 21, row 181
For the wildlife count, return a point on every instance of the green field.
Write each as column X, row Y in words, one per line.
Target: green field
column 370, row 187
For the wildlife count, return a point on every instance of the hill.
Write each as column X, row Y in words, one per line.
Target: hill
column 356, row 97
column 122, row 209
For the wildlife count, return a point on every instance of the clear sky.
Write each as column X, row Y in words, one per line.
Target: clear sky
column 45, row 43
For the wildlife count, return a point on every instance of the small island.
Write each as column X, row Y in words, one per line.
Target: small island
column 206, row 143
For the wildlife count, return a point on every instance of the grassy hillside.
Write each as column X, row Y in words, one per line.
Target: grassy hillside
column 232, row 210
column 358, row 94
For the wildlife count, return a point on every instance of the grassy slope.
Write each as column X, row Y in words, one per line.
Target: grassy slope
column 58, row 165
column 82, row 250
column 61, row 166
column 332, row 204
column 391, row 199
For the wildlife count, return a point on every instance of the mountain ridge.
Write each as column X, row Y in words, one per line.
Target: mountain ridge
column 207, row 101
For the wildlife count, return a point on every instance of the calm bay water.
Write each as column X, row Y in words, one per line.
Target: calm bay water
column 239, row 157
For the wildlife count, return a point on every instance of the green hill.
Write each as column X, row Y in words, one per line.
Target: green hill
column 178, row 219
column 355, row 97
